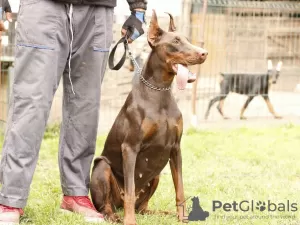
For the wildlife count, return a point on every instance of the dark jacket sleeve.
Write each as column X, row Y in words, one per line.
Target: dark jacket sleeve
column 134, row 4
column 6, row 6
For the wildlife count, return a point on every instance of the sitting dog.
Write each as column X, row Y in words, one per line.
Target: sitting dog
column 147, row 131
column 247, row 84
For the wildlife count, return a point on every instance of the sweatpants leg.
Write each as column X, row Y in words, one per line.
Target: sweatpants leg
column 92, row 38
column 41, row 54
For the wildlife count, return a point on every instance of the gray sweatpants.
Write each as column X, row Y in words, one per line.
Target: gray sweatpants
column 44, row 38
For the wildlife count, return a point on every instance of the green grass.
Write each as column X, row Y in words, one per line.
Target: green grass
column 231, row 165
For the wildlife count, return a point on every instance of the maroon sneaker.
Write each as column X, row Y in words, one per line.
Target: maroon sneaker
column 82, row 205
column 10, row 215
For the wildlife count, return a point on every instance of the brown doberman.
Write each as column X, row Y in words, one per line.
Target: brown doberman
column 146, row 133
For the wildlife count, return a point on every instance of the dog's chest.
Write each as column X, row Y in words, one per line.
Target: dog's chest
column 163, row 130
column 159, row 138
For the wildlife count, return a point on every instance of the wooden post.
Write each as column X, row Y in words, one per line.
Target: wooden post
column 194, row 120
column 0, row 56
column 186, row 17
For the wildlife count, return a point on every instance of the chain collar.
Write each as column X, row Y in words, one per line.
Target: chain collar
column 139, row 73
column 152, row 86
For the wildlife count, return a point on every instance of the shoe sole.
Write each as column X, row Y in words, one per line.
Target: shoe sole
column 65, row 211
column 87, row 219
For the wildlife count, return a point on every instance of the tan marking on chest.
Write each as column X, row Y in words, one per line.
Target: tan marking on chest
column 176, row 126
column 172, row 123
column 149, row 127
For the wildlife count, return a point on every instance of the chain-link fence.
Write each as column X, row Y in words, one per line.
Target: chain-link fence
column 240, row 36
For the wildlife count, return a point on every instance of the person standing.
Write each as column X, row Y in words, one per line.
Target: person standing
column 69, row 39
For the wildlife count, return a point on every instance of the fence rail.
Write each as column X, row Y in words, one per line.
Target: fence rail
column 240, row 36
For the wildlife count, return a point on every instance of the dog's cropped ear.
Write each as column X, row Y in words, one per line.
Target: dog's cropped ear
column 279, row 65
column 154, row 32
column 172, row 27
column 270, row 66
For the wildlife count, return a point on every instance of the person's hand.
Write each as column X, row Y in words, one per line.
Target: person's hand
column 8, row 17
column 133, row 26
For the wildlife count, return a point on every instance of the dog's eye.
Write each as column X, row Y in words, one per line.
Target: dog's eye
column 176, row 41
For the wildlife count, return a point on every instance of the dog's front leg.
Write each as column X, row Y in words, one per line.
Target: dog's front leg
column 271, row 108
column 176, row 170
column 129, row 155
column 242, row 117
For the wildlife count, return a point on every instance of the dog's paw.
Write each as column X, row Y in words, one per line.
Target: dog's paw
column 129, row 221
column 243, row 118
column 160, row 212
column 183, row 220
column 278, row 117
column 113, row 218
column 180, row 218
column 226, row 118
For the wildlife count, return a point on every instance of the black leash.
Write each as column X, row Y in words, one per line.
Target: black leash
column 112, row 54
column 122, row 60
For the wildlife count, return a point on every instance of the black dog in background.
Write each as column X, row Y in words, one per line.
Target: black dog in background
column 247, row 84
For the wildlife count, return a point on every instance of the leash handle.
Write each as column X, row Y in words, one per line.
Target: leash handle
column 123, row 40
column 112, row 54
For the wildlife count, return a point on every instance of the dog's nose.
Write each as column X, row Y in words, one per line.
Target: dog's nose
column 203, row 54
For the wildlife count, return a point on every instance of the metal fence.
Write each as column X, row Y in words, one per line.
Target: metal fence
column 240, row 36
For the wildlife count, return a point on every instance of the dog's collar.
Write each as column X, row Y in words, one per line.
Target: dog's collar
column 151, row 85
column 139, row 73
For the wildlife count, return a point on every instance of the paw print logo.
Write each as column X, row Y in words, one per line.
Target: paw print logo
column 261, row 206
